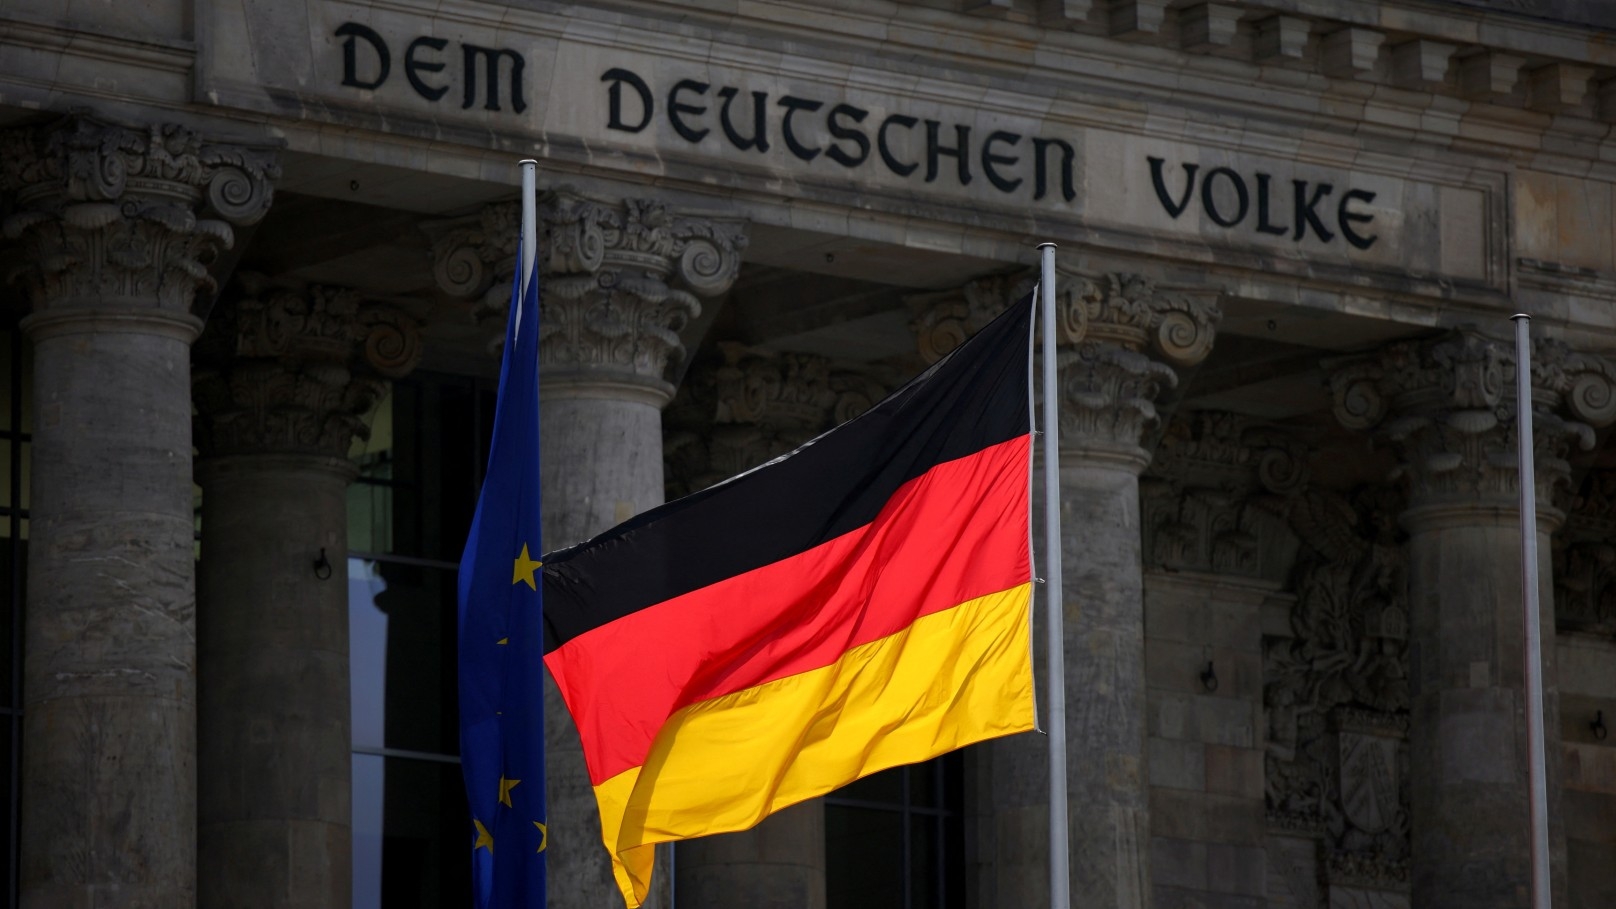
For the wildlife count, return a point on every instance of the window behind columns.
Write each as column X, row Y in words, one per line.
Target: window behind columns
column 16, row 422
column 408, row 513
column 894, row 840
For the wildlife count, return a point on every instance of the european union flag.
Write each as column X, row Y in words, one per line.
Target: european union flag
column 502, row 637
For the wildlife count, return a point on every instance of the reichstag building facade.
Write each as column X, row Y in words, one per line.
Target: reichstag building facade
column 258, row 256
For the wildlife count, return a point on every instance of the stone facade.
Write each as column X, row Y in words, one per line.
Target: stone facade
column 259, row 258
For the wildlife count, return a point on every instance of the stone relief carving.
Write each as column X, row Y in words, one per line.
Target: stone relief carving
column 1198, row 500
column 121, row 216
column 1585, row 559
column 284, row 370
column 755, row 405
column 1336, row 692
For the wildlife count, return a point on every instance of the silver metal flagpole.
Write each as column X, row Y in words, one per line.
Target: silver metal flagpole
column 530, row 233
column 1060, row 895
column 1541, row 898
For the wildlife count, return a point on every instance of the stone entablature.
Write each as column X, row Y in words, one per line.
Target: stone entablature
column 688, row 107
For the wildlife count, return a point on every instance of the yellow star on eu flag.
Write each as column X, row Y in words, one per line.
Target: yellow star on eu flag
column 525, row 566
column 544, row 835
column 484, row 838
column 505, row 787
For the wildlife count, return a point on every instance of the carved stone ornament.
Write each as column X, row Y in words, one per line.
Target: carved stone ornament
column 125, row 217
column 755, row 406
column 1336, row 693
column 296, row 371
column 1200, row 500
column 1585, row 559
column 619, row 280
column 1448, row 405
column 1121, row 337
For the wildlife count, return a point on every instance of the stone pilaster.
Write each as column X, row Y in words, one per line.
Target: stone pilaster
column 1447, row 406
column 283, row 381
column 619, row 280
column 1121, row 339
column 118, row 226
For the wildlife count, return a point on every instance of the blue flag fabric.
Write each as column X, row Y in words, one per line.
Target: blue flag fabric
column 502, row 638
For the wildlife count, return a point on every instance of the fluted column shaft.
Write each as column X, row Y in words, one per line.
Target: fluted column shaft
column 109, row 221
column 283, row 379
column 618, row 281
column 1447, row 408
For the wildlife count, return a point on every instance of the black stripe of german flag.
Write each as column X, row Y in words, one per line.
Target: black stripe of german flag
column 857, row 604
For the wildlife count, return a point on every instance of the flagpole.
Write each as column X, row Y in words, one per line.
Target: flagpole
column 1060, row 896
column 530, row 234
column 1538, row 796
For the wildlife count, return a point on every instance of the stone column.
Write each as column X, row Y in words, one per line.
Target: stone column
column 619, row 281
column 1108, row 385
column 759, row 405
column 118, row 227
column 1448, row 409
column 283, row 380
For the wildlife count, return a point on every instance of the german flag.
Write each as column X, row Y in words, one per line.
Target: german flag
column 860, row 603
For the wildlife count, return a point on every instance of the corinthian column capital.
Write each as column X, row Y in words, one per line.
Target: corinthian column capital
column 1448, row 406
column 295, row 371
column 118, row 217
column 621, row 280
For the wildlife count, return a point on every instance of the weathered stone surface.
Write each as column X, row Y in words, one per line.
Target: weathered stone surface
column 272, row 664
column 114, row 254
column 779, row 864
column 296, row 370
column 283, row 382
column 1448, row 407
column 110, row 213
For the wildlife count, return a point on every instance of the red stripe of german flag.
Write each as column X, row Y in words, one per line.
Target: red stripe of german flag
column 858, row 604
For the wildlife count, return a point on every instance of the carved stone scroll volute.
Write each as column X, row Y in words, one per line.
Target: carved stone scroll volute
column 1448, row 407
column 296, row 370
column 119, row 216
